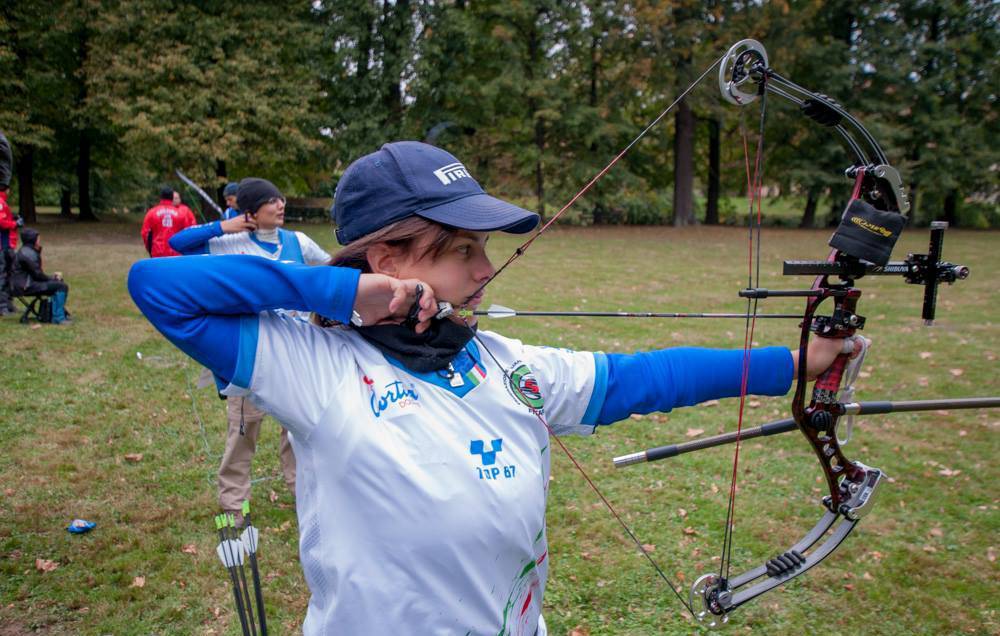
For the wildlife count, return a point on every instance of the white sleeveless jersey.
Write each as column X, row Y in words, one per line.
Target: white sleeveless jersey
column 420, row 512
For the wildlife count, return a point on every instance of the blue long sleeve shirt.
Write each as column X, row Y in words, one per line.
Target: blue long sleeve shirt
column 208, row 307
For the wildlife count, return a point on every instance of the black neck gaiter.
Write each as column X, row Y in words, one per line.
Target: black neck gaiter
column 424, row 352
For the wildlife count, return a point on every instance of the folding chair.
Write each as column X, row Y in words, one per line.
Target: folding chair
column 36, row 307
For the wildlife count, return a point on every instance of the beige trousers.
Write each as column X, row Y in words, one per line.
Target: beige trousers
column 234, row 471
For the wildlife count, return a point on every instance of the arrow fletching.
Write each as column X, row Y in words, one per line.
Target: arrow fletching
column 249, row 539
column 499, row 311
column 230, row 552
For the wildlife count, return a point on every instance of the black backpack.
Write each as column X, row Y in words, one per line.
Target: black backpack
column 45, row 310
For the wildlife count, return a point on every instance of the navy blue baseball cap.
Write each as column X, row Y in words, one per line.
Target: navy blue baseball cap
column 410, row 178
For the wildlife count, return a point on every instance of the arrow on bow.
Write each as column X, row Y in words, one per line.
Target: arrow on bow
column 499, row 311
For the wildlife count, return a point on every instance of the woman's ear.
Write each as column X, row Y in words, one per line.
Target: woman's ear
column 383, row 259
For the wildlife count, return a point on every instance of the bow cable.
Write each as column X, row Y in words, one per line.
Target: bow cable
column 754, row 186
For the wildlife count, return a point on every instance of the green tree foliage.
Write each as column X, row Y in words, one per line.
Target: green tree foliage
column 107, row 97
column 206, row 86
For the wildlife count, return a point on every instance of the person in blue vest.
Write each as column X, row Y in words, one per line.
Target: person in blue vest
column 229, row 194
column 255, row 230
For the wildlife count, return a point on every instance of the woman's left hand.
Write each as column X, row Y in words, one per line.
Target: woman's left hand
column 822, row 352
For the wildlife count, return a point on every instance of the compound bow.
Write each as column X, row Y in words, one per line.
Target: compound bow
column 861, row 247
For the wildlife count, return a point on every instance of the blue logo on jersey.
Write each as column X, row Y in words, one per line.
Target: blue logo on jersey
column 395, row 393
column 489, row 457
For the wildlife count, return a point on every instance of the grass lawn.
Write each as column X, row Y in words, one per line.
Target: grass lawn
column 90, row 430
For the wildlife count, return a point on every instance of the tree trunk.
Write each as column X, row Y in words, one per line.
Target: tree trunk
column 65, row 202
column 683, row 165
column 539, row 175
column 534, row 60
column 223, row 175
column 83, row 179
column 396, row 18
column 915, row 203
column 26, row 183
column 836, row 212
column 712, row 204
column 83, row 156
column 951, row 208
column 809, row 215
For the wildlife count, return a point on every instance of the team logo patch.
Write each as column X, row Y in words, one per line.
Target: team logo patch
column 488, row 457
column 394, row 393
column 451, row 173
column 521, row 384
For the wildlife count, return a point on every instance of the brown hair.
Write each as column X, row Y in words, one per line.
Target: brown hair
column 403, row 234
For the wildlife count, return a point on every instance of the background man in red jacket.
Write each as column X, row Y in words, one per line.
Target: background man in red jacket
column 162, row 221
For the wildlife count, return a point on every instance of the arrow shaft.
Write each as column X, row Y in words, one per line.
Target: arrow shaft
column 235, row 581
column 628, row 314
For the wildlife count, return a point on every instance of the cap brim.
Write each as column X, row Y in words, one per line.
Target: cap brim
column 482, row 213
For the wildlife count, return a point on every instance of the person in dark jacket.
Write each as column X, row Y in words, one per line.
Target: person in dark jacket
column 29, row 279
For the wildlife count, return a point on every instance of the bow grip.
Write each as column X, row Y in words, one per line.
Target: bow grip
column 829, row 381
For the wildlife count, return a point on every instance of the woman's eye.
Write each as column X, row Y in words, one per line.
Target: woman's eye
column 464, row 250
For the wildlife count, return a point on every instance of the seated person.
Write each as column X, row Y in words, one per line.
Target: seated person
column 28, row 278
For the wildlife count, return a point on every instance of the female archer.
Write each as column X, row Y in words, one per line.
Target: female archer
column 422, row 443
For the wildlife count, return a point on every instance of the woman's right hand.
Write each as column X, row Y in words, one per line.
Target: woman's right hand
column 383, row 299
column 237, row 224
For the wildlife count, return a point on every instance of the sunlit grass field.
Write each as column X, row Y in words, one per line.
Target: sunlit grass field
column 90, row 430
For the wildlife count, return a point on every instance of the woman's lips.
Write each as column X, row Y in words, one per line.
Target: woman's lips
column 474, row 300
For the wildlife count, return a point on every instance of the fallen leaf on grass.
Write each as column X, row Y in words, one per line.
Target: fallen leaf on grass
column 991, row 554
column 956, row 372
column 579, row 630
column 694, row 432
column 925, row 354
column 133, row 457
column 849, row 587
column 190, row 548
column 936, row 532
column 868, row 577
column 682, row 512
column 9, row 492
column 139, row 581
column 648, row 547
column 947, row 472
column 690, row 531
column 45, row 565
column 273, row 496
